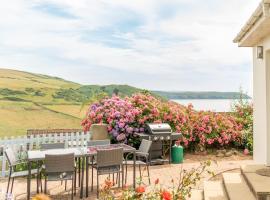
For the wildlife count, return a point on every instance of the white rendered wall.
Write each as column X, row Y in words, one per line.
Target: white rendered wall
column 261, row 97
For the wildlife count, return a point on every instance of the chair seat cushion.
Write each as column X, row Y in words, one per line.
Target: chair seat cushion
column 44, row 168
column 107, row 169
column 59, row 176
column 23, row 173
column 130, row 162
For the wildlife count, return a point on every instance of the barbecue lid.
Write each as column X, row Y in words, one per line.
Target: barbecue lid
column 159, row 128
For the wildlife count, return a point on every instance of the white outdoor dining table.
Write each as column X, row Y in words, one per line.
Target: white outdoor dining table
column 82, row 153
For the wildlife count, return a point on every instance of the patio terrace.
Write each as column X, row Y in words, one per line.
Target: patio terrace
column 165, row 173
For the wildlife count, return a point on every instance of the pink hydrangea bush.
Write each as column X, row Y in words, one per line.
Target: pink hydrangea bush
column 213, row 129
column 119, row 114
column 125, row 116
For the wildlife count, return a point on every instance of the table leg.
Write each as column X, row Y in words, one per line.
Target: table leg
column 87, row 175
column 29, row 180
column 79, row 171
column 38, row 177
column 82, row 176
column 134, row 169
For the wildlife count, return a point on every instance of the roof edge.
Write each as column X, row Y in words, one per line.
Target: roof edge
column 257, row 14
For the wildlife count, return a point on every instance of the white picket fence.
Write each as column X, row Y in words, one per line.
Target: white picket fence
column 22, row 144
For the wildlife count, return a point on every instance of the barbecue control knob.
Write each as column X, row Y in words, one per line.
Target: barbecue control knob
column 168, row 137
column 161, row 138
column 155, row 138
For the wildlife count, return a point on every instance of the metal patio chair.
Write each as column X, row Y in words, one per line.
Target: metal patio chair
column 109, row 161
column 60, row 168
column 48, row 146
column 142, row 159
column 13, row 162
column 92, row 160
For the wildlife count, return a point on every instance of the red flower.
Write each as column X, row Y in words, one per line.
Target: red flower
column 140, row 189
column 108, row 183
column 156, row 181
column 166, row 195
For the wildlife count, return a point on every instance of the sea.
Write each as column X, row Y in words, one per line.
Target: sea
column 216, row 105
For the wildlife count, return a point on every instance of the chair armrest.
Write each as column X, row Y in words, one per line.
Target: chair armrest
column 127, row 155
column 138, row 154
column 142, row 154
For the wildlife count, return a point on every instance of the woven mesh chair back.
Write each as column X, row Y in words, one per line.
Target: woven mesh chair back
column 98, row 142
column 11, row 157
column 145, row 146
column 47, row 146
column 59, row 163
column 99, row 132
column 109, row 157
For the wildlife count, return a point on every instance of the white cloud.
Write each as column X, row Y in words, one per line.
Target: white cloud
column 175, row 38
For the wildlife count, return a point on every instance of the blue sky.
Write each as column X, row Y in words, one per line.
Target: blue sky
column 176, row 45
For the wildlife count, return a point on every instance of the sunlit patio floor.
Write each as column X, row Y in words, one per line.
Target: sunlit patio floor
column 165, row 173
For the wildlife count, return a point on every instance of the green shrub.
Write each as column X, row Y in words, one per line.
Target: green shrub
column 30, row 90
column 243, row 112
column 8, row 92
column 70, row 95
column 14, row 99
column 39, row 93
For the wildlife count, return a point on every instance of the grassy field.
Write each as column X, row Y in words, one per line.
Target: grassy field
column 17, row 117
column 20, row 80
column 72, row 110
column 22, row 100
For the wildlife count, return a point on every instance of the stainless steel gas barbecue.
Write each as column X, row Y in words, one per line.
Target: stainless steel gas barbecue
column 162, row 137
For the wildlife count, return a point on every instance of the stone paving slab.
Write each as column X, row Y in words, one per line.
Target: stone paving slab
column 196, row 195
column 237, row 187
column 251, row 168
column 260, row 184
column 213, row 190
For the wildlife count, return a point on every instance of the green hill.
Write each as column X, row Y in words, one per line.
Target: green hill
column 23, row 86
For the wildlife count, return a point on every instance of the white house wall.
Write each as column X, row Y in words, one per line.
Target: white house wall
column 261, row 79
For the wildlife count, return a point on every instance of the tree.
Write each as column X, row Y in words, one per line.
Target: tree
column 115, row 91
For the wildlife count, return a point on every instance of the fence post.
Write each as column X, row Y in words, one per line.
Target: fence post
column 31, row 142
column 66, row 140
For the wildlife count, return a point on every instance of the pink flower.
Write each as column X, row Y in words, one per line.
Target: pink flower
column 121, row 125
column 206, row 118
column 129, row 129
column 121, row 137
column 246, row 152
